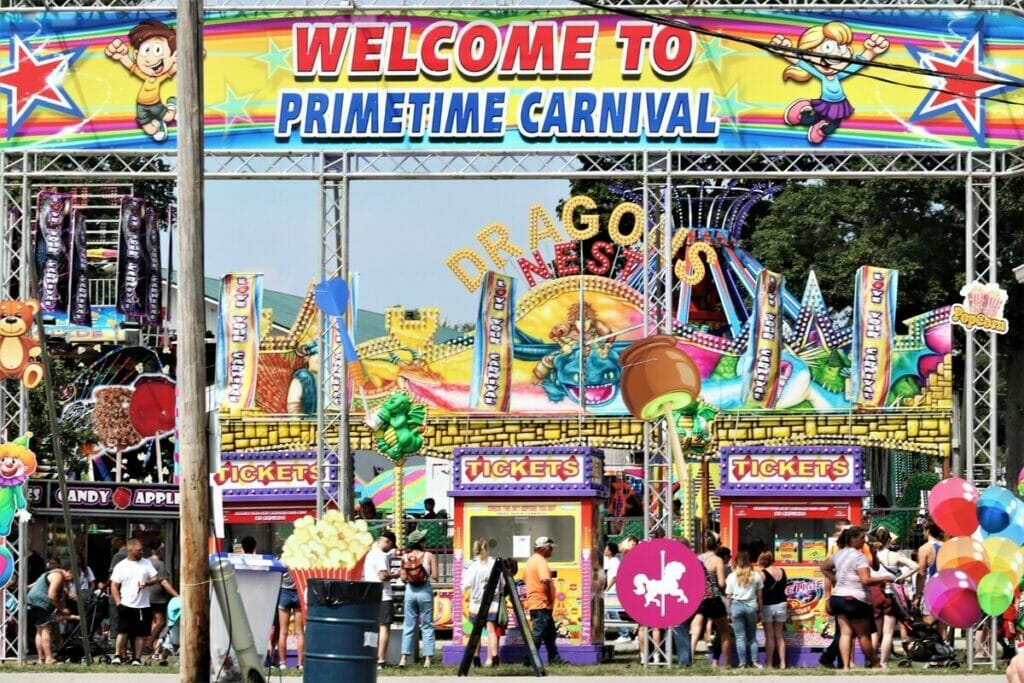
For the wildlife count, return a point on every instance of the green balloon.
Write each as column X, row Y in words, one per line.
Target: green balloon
column 995, row 593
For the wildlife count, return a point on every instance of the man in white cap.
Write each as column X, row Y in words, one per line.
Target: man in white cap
column 540, row 598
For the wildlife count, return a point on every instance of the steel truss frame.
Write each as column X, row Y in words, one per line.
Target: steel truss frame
column 335, row 172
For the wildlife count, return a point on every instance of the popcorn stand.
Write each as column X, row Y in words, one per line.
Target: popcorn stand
column 511, row 497
column 786, row 499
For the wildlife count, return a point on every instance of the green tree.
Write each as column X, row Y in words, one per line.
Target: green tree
column 72, row 436
column 916, row 227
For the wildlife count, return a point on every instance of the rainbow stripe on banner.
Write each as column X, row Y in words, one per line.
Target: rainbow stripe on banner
column 521, row 79
column 491, row 389
column 874, row 328
column 765, row 341
column 238, row 339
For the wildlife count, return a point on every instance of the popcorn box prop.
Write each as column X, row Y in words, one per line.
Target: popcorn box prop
column 303, row 576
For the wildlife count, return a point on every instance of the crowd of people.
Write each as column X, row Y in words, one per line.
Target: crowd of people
column 860, row 571
column 133, row 602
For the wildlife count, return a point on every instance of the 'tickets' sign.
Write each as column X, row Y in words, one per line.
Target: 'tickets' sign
column 514, row 469
column 794, row 467
column 525, row 471
column 271, row 476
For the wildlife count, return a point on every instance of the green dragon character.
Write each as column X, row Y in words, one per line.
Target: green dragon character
column 400, row 425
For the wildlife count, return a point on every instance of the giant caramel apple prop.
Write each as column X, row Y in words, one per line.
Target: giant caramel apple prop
column 657, row 378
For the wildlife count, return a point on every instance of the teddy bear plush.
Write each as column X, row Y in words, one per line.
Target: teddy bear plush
column 19, row 355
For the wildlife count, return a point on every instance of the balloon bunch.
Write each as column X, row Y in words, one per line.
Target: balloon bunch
column 980, row 566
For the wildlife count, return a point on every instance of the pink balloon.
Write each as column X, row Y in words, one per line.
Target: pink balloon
column 953, row 505
column 952, row 598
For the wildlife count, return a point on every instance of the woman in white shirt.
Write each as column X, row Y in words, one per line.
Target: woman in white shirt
column 743, row 595
column 474, row 579
column 850, row 576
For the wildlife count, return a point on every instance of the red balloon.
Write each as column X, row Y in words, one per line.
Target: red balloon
column 953, row 505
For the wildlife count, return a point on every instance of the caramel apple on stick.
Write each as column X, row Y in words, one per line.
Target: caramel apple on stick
column 657, row 378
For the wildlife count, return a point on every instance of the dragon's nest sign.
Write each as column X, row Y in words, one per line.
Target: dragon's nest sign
column 520, row 80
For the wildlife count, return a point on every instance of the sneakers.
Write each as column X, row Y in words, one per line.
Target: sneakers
column 795, row 111
column 117, row 661
column 136, row 662
column 558, row 660
column 161, row 131
column 816, row 133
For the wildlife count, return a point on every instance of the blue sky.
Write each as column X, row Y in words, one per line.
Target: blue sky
column 402, row 232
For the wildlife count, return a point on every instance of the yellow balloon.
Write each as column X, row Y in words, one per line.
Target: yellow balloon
column 1005, row 557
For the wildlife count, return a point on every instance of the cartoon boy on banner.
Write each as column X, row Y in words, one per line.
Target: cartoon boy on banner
column 17, row 463
column 830, row 46
column 155, row 60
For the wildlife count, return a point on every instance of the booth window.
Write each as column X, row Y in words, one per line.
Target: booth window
column 501, row 532
column 791, row 540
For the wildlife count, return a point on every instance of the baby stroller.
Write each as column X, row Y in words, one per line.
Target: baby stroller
column 168, row 641
column 86, row 625
column 923, row 642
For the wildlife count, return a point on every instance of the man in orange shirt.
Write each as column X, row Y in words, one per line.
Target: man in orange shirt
column 540, row 598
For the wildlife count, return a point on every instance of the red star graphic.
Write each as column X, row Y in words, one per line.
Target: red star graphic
column 965, row 63
column 30, row 81
column 951, row 91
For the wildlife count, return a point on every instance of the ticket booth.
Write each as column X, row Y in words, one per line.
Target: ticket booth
column 786, row 499
column 511, row 497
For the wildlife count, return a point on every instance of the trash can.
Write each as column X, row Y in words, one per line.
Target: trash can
column 342, row 619
column 259, row 578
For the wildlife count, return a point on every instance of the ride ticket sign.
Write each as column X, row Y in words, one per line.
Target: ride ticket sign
column 769, row 469
column 520, row 79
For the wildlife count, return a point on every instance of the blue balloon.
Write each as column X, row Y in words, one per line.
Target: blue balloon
column 997, row 508
column 1014, row 532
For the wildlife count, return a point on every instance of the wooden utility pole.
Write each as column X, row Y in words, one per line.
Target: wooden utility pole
column 191, row 423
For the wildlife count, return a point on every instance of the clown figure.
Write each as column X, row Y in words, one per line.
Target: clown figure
column 17, row 464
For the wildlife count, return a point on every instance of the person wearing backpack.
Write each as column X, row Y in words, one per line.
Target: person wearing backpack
column 419, row 569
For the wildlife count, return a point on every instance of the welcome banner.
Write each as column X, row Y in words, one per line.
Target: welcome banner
column 874, row 329
column 519, row 79
column 238, row 339
column 491, row 389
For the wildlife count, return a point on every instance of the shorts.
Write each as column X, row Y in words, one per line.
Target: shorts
column 712, row 609
column 288, row 598
column 136, row 622
column 881, row 604
column 39, row 616
column 147, row 113
column 387, row 612
column 158, row 607
column 851, row 608
column 777, row 613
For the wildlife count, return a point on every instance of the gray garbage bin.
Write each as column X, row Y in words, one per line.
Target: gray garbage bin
column 342, row 620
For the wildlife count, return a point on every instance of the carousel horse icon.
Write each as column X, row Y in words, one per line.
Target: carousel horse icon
column 657, row 590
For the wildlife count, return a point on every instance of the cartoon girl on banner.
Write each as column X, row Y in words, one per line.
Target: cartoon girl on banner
column 17, row 463
column 831, row 44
